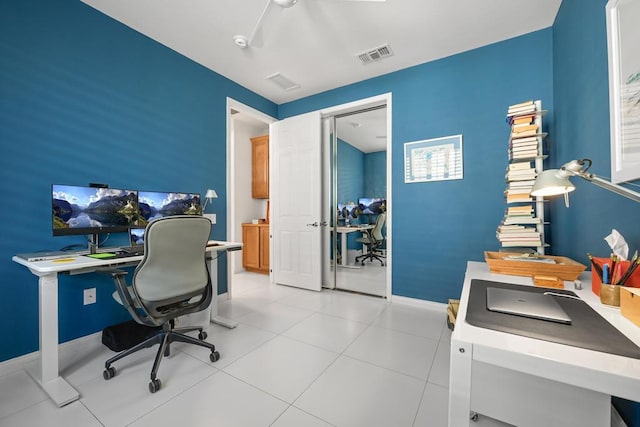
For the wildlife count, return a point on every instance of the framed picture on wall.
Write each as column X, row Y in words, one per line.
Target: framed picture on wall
column 623, row 39
column 436, row 159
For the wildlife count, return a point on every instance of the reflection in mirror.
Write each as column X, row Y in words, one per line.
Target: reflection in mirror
column 359, row 202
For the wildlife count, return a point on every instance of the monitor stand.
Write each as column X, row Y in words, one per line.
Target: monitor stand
column 93, row 243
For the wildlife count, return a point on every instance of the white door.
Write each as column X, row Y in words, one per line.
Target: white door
column 296, row 193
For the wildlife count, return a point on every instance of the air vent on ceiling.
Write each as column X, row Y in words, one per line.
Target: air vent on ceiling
column 282, row 82
column 375, row 54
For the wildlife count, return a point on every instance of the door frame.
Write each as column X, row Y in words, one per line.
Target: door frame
column 351, row 107
column 232, row 221
column 232, row 104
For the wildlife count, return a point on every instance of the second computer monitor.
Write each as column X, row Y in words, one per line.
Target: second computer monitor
column 372, row 205
column 154, row 205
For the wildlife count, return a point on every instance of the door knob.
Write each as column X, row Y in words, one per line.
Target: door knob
column 315, row 224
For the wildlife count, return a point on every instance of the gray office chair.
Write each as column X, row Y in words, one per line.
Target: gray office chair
column 172, row 280
column 374, row 241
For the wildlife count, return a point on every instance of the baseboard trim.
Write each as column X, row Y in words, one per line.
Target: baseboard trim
column 421, row 303
column 18, row 363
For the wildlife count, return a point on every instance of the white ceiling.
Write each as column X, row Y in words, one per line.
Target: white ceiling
column 315, row 42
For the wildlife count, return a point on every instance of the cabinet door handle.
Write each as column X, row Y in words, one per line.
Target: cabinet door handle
column 324, row 224
column 315, row 224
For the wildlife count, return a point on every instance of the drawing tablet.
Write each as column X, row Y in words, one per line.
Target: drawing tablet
column 527, row 304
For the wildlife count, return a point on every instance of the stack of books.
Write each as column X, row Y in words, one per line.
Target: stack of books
column 523, row 148
column 520, row 177
column 518, row 235
column 518, row 215
column 524, row 131
column 521, row 109
column 521, row 225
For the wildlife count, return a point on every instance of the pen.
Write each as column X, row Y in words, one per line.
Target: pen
column 616, row 274
column 630, row 269
column 595, row 266
column 605, row 274
column 614, row 261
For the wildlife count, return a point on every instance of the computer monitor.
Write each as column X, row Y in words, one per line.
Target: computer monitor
column 136, row 236
column 372, row 205
column 346, row 210
column 89, row 210
column 154, row 205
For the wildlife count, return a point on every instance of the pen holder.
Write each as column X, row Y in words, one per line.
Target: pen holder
column 610, row 295
column 632, row 282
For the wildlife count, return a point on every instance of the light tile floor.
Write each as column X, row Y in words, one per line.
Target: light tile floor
column 297, row 359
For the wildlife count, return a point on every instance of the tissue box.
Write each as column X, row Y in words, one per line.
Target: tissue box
column 630, row 304
column 633, row 281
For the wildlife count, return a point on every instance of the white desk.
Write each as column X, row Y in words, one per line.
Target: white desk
column 529, row 382
column 48, row 376
column 344, row 231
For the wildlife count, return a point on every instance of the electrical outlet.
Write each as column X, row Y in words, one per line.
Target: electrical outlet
column 212, row 217
column 89, row 296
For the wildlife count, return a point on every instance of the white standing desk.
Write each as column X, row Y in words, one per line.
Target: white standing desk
column 60, row 391
column 530, row 382
column 344, row 231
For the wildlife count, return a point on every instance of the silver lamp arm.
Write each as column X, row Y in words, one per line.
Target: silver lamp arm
column 576, row 168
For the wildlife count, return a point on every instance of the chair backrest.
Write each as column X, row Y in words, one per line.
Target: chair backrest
column 377, row 229
column 173, row 272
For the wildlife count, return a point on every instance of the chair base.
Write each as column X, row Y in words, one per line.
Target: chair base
column 164, row 338
column 371, row 255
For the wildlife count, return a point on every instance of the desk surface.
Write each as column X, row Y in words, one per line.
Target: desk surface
column 76, row 261
column 593, row 370
column 353, row 228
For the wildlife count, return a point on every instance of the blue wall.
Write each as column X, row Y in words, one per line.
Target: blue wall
column 84, row 99
column 375, row 174
column 350, row 170
column 581, row 92
column 439, row 226
column 582, row 131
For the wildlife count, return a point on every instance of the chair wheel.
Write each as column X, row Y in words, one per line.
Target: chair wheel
column 214, row 356
column 202, row 336
column 109, row 373
column 155, row 385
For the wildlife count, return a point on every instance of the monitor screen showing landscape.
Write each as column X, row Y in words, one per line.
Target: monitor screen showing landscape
column 137, row 236
column 154, row 205
column 89, row 210
column 372, row 205
column 346, row 210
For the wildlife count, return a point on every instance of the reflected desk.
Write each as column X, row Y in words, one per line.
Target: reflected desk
column 531, row 382
column 60, row 391
column 344, row 231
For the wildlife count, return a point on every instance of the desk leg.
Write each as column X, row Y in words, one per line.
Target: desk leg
column 343, row 249
column 460, row 383
column 60, row 391
column 213, row 271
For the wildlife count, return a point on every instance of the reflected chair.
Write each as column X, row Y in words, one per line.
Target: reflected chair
column 172, row 280
column 374, row 241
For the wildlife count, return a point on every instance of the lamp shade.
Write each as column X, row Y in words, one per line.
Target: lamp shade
column 211, row 194
column 552, row 182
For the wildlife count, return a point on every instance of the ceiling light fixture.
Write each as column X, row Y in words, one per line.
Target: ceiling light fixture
column 241, row 41
column 285, row 3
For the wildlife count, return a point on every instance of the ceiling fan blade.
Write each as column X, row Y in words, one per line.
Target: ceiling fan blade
column 256, row 38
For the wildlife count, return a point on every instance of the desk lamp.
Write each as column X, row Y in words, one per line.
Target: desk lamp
column 208, row 198
column 552, row 182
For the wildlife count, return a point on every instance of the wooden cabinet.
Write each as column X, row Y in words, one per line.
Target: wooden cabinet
column 255, row 247
column 260, row 167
